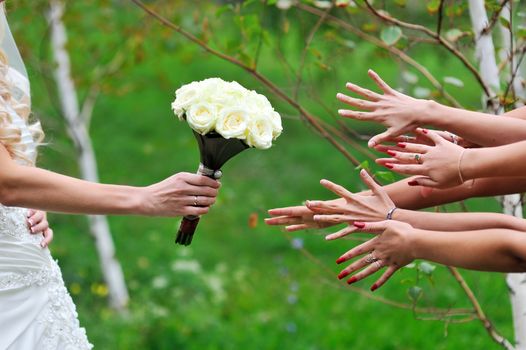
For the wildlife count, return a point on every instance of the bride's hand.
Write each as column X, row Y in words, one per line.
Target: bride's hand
column 296, row 218
column 352, row 207
column 438, row 165
column 179, row 195
column 38, row 224
column 398, row 112
column 392, row 247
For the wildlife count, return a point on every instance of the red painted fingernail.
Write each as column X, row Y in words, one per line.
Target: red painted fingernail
column 401, row 145
column 412, row 183
column 342, row 274
column 391, row 153
column 340, row 260
column 374, row 287
column 351, row 280
column 389, row 165
column 424, row 131
column 359, row 224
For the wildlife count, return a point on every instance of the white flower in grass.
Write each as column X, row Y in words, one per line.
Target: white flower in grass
column 202, row 117
column 260, row 132
column 233, row 123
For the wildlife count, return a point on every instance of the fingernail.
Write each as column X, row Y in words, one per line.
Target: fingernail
column 42, row 244
column 32, row 229
column 342, row 274
column 341, row 111
column 340, row 260
column 412, row 183
column 401, row 145
column 424, row 131
column 359, row 224
column 391, row 153
column 351, row 280
column 30, row 222
column 371, row 144
column 374, row 287
column 363, row 172
column 389, row 165
column 315, row 217
column 339, row 95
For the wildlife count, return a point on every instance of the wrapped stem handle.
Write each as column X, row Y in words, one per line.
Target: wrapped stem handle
column 189, row 223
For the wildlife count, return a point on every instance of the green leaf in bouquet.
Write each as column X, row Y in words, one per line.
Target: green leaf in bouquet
column 390, row 35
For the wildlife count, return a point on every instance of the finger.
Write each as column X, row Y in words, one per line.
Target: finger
column 385, row 161
column 407, row 158
column 48, row 237
column 355, row 102
column 40, row 227
column 37, row 217
column 377, row 265
column 387, row 148
column 371, row 184
column 200, row 180
column 323, row 207
column 299, row 210
column 201, row 201
column 358, row 250
column 356, row 115
column 413, row 147
column 372, row 227
column 199, row 191
column 332, row 219
column 381, row 84
column 404, row 138
column 30, row 212
column 339, row 190
column 342, row 233
column 380, row 138
column 423, row 181
column 363, row 92
column 408, row 169
column 293, row 228
column 283, row 220
column 191, row 210
column 430, row 135
column 385, row 276
column 355, row 266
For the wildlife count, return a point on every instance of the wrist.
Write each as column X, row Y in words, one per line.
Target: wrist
column 138, row 201
column 416, row 239
column 467, row 165
column 433, row 114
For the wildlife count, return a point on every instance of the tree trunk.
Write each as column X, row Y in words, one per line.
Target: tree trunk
column 77, row 129
column 511, row 204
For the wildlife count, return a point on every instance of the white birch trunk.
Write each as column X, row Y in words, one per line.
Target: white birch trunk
column 511, row 204
column 99, row 227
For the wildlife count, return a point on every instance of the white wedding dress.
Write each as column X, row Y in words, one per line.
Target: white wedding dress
column 36, row 310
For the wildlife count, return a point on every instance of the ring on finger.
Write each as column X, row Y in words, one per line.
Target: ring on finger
column 378, row 264
column 418, row 158
column 195, row 201
column 370, row 258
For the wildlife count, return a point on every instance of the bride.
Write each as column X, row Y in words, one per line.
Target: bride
column 36, row 310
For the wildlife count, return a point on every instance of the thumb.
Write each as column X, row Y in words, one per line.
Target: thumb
column 423, row 181
column 371, row 227
column 380, row 138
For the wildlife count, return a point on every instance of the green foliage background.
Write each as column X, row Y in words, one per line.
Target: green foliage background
column 236, row 286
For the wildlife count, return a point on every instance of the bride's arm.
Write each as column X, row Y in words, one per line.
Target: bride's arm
column 32, row 187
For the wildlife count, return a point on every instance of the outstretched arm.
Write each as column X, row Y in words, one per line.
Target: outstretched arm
column 402, row 114
column 32, row 187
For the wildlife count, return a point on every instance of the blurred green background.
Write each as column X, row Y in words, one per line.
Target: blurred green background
column 241, row 284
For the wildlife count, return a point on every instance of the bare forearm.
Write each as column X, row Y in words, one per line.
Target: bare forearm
column 480, row 128
column 507, row 160
column 40, row 189
column 459, row 221
column 486, row 250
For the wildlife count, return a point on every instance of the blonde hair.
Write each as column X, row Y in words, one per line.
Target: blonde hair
column 10, row 132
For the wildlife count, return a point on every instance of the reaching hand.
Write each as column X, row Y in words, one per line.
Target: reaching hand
column 353, row 207
column 295, row 218
column 438, row 164
column 181, row 194
column 398, row 112
column 391, row 248
column 38, row 224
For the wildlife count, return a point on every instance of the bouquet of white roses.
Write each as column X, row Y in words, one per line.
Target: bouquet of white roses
column 226, row 119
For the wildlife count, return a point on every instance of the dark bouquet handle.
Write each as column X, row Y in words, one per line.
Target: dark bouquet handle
column 189, row 222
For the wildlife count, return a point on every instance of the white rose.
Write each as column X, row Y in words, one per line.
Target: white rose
column 260, row 132
column 275, row 120
column 233, row 123
column 202, row 117
column 185, row 96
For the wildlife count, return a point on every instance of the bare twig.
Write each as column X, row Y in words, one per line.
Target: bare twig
column 446, row 44
column 402, row 55
column 440, row 17
column 251, row 70
column 494, row 18
column 493, row 333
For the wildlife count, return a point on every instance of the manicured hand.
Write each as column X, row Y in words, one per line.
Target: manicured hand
column 353, row 207
column 398, row 112
column 38, row 224
column 438, row 165
column 295, row 218
column 391, row 248
column 391, row 144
